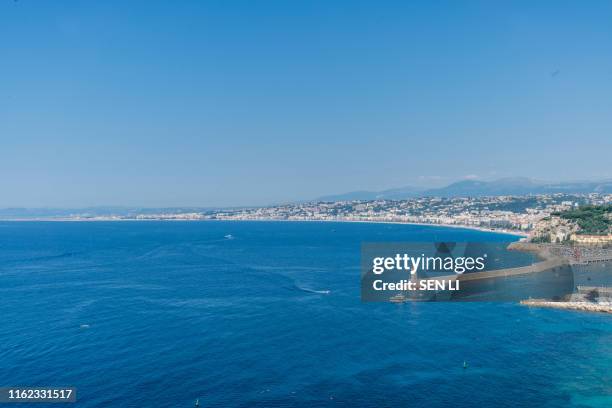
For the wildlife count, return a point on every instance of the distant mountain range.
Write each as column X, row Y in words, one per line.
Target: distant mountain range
column 476, row 188
column 467, row 188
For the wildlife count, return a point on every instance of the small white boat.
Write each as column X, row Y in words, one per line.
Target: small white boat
column 399, row 298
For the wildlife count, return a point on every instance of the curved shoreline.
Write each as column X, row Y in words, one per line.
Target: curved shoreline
column 466, row 227
column 110, row 219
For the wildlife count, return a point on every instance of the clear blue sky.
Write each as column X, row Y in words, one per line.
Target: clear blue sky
column 208, row 103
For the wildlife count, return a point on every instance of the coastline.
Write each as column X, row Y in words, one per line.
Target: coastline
column 468, row 227
column 111, row 219
column 571, row 305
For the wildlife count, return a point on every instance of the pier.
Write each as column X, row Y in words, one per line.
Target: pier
column 579, row 306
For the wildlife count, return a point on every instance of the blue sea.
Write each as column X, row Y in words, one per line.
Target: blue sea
column 268, row 314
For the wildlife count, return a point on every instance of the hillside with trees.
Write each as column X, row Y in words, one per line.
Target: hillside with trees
column 592, row 219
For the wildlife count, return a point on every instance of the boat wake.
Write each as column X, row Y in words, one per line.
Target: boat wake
column 319, row 292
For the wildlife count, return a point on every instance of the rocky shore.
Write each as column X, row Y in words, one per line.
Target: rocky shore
column 572, row 305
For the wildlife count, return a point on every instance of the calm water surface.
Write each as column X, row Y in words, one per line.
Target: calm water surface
column 157, row 314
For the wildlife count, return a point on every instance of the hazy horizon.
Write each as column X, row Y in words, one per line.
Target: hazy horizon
column 218, row 104
column 417, row 186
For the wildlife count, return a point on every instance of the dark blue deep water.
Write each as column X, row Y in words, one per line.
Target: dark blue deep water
column 157, row 314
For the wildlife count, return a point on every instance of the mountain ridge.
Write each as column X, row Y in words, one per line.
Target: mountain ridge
column 480, row 188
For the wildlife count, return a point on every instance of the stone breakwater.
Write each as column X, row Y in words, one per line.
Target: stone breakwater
column 578, row 301
column 543, row 251
column 580, row 306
